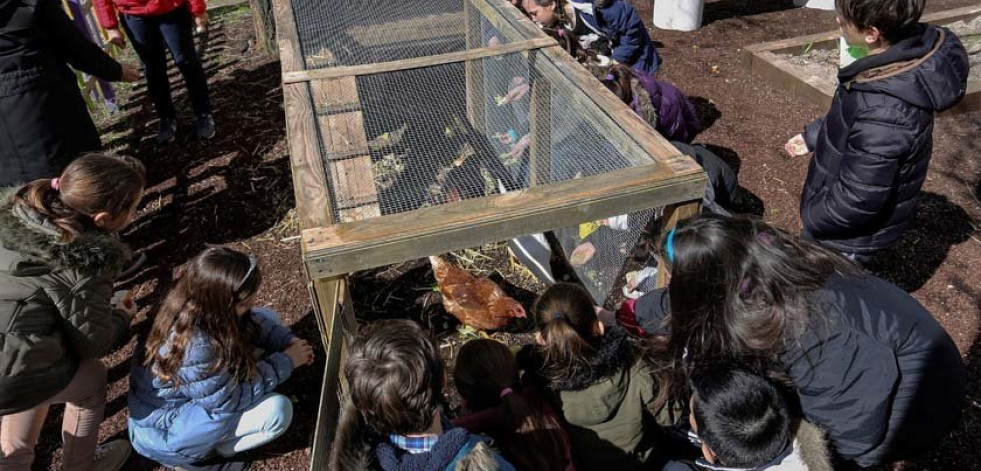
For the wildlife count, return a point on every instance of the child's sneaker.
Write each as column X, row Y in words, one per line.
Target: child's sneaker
column 167, row 131
column 111, row 456
column 205, row 126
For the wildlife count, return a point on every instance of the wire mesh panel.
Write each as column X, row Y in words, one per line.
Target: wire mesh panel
column 397, row 141
column 343, row 33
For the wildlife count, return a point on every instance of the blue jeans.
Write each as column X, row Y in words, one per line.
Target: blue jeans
column 152, row 36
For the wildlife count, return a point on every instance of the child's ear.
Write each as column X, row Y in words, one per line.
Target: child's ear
column 872, row 36
column 539, row 339
column 102, row 220
column 708, row 453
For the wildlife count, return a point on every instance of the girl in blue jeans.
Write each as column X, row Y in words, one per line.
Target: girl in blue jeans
column 204, row 384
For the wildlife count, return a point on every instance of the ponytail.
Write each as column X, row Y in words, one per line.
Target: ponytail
column 567, row 322
column 91, row 184
column 486, row 376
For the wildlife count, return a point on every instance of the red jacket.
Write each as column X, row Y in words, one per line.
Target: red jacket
column 105, row 10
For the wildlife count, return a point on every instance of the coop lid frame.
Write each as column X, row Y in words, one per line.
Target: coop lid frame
column 661, row 176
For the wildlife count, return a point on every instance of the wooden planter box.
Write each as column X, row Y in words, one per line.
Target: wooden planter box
column 352, row 222
column 766, row 61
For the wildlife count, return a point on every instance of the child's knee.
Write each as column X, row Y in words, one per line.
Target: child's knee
column 280, row 414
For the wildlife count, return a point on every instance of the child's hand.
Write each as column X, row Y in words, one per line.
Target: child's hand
column 201, row 22
column 130, row 74
column 796, row 146
column 115, row 37
column 123, row 300
column 300, row 352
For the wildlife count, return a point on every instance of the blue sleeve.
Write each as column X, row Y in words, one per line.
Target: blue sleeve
column 221, row 392
column 878, row 141
column 626, row 30
column 273, row 336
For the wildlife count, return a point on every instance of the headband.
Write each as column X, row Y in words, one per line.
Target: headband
column 669, row 246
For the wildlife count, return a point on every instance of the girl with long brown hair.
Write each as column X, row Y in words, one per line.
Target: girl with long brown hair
column 58, row 260
column 867, row 362
column 595, row 374
column 198, row 389
column 523, row 425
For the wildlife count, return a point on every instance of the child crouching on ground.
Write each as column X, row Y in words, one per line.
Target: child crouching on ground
column 393, row 421
column 605, row 389
column 744, row 425
column 526, row 428
column 201, row 391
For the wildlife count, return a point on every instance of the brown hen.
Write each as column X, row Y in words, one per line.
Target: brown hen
column 475, row 301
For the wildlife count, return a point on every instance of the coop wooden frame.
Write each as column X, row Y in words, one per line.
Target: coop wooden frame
column 764, row 60
column 331, row 249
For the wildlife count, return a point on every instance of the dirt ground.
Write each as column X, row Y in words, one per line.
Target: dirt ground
column 236, row 190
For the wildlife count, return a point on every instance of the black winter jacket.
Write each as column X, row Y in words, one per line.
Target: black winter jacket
column 873, row 368
column 54, row 305
column 872, row 149
column 43, row 119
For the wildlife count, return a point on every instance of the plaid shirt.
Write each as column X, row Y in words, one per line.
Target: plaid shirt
column 414, row 445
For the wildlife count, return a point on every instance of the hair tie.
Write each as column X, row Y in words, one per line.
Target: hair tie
column 764, row 238
column 610, row 77
column 505, row 392
column 56, row 184
column 561, row 32
column 669, row 246
column 744, row 287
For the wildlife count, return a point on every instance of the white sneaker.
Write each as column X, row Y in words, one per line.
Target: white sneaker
column 112, row 456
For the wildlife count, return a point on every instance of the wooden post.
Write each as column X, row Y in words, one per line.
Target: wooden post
column 474, row 69
column 265, row 26
column 672, row 215
column 540, row 117
column 327, row 300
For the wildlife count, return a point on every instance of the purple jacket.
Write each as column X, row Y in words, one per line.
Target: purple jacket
column 665, row 107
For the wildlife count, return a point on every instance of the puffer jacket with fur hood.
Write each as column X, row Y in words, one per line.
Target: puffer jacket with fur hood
column 54, row 304
column 608, row 406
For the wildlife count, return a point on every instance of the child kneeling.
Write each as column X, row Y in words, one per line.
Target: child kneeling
column 212, row 362
column 743, row 423
column 393, row 420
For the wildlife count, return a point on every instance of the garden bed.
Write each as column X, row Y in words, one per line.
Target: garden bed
column 808, row 65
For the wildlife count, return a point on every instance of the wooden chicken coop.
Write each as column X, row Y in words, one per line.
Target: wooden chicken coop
column 417, row 128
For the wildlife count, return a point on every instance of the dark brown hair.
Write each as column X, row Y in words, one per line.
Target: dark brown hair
column 567, row 322
column 205, row 301
column 91, row 184
column 739, row 291
column 895, row 19
column 395, row 373
column 618, row 78
column 485, row 370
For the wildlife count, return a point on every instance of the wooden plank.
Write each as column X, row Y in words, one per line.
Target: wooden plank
column 420, row 28
column 337, row 92
column 346, row 248
column 290, row 56
column 367, row 211
column 353, row 182
column 632, row 136
column 674, row 214
column 474, row 70
column 343, row 132
column 327, row 300
column 418, row 62
column 313, row 206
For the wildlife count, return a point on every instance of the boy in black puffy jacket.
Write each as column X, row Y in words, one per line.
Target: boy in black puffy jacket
column 872, row 149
